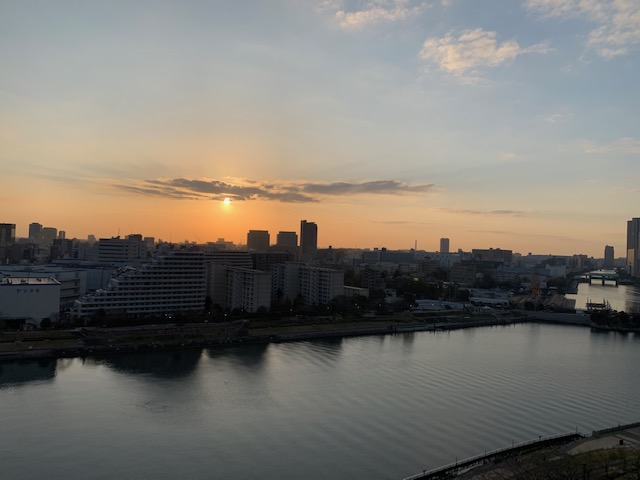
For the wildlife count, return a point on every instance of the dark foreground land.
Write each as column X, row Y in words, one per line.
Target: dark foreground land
column 93, row 340
column 607, row 454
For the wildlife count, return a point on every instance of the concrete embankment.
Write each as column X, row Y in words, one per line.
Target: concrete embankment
column 448, row 471
column 592, row 456
column 544, row 316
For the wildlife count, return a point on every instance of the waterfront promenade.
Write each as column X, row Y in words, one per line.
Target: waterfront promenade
column 598, row 455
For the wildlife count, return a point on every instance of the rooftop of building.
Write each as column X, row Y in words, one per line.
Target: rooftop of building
column 7, row 281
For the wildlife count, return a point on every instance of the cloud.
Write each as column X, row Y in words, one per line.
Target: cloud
column 507, row 213
column 617, row 22
column 473, row 50
column 369, row 12
column 558, row 116
column 402, row 222
column 287, row 192
column 625, row 146
column 388, row 187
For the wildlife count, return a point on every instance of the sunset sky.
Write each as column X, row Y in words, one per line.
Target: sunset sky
column 498, row 123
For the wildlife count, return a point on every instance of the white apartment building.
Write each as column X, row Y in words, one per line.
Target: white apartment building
column 248, row 289
column 175, row 281
column 316, row 285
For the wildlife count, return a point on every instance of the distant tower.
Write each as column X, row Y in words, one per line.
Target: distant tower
column 7, row 233
column 35, row 231
column 444, row 245
column 48, row 234
column 608, row 257
column 258, row 240
column 633, row 247
column 287, row 241
column 308, row 239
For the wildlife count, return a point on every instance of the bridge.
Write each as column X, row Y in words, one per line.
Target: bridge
column 603, row 276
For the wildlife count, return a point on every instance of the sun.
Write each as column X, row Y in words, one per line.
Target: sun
column 227, row 201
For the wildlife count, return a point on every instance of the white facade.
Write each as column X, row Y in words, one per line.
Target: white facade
column 248, row 289
column 73, row 281
column 316, row 285
column 31, row 299
column 175, row 281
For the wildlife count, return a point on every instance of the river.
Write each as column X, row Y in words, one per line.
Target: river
column 622, row 297
column 375, row 407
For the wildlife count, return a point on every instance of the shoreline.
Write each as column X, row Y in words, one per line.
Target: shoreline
column 109, row 341
column 83, row 342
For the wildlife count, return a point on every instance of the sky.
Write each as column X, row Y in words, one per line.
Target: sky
column 510, row 124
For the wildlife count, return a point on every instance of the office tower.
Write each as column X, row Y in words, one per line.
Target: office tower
column 35, row 231
column 121, row 249
column 444, row 245
column 258, row 240
column 308, row 239
column 62, row 234
column 48, row 234
column 633, row 247
column 7, row 233
column 287, row 241
column 608, row 257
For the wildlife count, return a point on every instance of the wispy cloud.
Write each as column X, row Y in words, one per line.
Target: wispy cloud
column 558, row 116
column 402, row 222
column 625, row 145
column 465, row 211
column 465, row 55
column 354, row 15
column 616, row 22
column 288, row 192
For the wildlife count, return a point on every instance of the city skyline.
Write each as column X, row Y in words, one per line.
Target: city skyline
column 507, row 124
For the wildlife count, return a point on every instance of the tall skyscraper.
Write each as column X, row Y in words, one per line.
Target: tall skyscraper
column 633, row 247
column 308, row 240
column 7, row 233
column 35, row 231
column 444, row 245
column 608, row 257
column 48, row 234
column 287, row 240
column 258, row 240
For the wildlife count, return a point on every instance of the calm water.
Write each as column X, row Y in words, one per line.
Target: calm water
column 622, row 298
column 370, row 407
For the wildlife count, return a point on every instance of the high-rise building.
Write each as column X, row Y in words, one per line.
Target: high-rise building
column 35, row 232
column 258, row 240
column 308, row 240
column 608, row 257
column 633, row 247
column 118, row 249
column 247, row 289
column 287, row 241
column 316, row 285
column 175, row 281
column 444, row 245
column 7, row 233
column 48, row 235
